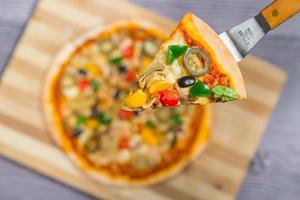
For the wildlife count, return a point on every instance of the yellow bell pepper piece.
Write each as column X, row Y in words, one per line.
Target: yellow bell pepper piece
column 159, row 85
column 93, row 68
column 146, row 61
column 92, row 123
column 149, row 136
column 135, row 100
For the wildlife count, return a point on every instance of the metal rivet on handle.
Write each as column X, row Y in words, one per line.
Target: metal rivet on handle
column 275, row 13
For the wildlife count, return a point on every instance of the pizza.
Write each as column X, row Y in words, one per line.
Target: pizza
column 84, row 112
column 192, row 66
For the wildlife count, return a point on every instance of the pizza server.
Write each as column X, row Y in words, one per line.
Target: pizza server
column 241, row 39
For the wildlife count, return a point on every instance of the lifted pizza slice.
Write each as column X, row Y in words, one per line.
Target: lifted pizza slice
column 192, row 66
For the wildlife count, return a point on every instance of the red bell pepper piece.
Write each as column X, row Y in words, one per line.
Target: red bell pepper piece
column 128, row 52
column 131, row 75
column 83, row 83
column 169, row 97
column 123, row 143
column 125, row 114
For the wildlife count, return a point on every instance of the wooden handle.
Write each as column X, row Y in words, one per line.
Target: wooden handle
column 279, row 11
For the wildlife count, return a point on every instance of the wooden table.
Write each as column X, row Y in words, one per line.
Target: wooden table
column 274, row 172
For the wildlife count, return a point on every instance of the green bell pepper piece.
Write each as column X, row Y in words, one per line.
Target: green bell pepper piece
column 104, row 119
column 174, row 51
column 170, row 57
column 80, row 120
column 150, row 124
column 116, row 60
column 177, row 120
column 199, row 90
column 95, row 85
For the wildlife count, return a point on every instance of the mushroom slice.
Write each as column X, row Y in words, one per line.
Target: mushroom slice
column 153, row 68
column 143, row 161
column 81, row 103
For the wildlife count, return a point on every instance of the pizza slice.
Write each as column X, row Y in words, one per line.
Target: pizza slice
column 192, row 66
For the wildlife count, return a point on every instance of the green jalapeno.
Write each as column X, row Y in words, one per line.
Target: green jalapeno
column 196, row 61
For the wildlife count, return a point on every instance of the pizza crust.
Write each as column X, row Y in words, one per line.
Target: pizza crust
column 53, row 121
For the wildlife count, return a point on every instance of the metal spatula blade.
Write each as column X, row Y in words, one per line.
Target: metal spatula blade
column 241, row 39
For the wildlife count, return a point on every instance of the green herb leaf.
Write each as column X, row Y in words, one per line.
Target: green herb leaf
column 224, row 94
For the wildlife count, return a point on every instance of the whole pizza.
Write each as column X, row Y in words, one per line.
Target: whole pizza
column 83, row 108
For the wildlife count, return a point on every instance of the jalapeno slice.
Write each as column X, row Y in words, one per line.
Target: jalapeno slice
column 196, row 61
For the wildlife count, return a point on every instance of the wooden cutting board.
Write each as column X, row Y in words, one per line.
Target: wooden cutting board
column 218, row 172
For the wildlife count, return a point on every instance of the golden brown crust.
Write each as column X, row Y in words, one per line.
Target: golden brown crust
column 55, row 126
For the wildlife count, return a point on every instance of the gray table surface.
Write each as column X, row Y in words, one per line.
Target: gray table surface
column 275, row 170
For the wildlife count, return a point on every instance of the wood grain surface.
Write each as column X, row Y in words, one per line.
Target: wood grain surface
column 217, row 174
column 279, row 11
